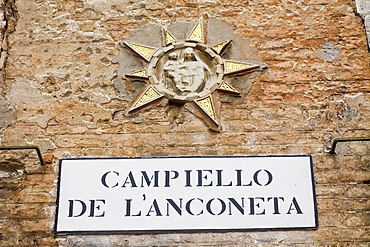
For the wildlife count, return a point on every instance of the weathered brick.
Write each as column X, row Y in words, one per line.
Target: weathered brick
column 36, row 225
column 59, row 76
column 331, row 219
column 325, row 204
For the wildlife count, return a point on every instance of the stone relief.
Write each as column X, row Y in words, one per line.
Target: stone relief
column 186, row 73
column 186, row 70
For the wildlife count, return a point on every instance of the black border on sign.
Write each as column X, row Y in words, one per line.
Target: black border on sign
column 186, row 230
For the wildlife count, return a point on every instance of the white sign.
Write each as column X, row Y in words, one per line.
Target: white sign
column 171, row 194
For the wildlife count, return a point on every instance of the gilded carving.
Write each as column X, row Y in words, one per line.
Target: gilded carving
column 187, row 71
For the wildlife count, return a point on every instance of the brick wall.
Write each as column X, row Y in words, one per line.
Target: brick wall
column 59, row 93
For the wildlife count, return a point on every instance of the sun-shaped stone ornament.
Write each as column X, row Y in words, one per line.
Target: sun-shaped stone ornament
column 186, row 71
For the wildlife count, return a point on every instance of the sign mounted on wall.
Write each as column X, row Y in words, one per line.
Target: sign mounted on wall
column 185, row 194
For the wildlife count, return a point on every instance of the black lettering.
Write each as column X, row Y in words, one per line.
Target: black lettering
column 239, row 179
column 276, row 203
column 200, row 177
column 253, row 205
column 129, row 180
column 168, row 178
column 188, row 180
column 149, row 181
column 71, row 208
column 104, row 179
column 93, row 207
column 128, row 208
column 219, row 179
column 174, row 206
column 188, row 205
column 296, row 207
column 237, row 205
column 222, row 209
column 156, row 209
column 255, row 177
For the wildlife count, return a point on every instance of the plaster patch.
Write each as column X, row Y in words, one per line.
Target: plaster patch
column 329, row 52
column 8, row 113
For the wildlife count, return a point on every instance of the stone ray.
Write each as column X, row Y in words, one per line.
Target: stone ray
column 197, row 33
column 222, row 47
column 232, row 67
column 139, row 73
column 206, row 104
column 168, row 38
column 144, row 51
column 224, row 86
column 147, row 96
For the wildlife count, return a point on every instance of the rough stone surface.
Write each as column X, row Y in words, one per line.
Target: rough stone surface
column 7, row 112
column 60, row 78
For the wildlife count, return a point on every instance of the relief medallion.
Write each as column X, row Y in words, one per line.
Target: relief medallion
column 186, row 71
